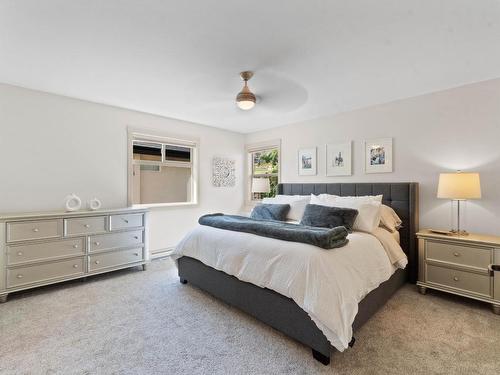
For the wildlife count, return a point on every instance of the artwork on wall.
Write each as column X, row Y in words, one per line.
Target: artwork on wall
column 339, row 159
column 378, row 155
column 223, row 172
column 307, row 161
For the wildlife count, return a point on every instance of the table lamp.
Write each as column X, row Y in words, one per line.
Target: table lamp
column 459, row 187
column 261, row 185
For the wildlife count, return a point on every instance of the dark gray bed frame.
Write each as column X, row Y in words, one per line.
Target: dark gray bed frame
column 281, row 312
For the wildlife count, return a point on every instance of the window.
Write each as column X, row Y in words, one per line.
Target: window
column 264, row 170
column 162, row 170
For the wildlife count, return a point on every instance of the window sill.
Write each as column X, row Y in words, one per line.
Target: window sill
column 160, row 205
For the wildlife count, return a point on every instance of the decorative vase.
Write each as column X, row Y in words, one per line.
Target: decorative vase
column 73, row 203
column 94, row 204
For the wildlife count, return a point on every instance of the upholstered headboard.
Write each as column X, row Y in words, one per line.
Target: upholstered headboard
column 401, row 196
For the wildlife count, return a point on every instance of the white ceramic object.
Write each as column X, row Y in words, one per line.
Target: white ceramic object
column 73, row 203
column 94, row 204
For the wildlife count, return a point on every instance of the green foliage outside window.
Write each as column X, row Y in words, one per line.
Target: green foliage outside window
column 266, row 164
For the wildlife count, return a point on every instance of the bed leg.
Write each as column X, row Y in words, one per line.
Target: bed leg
column 183, row 281
column 321, row 357
column 351, row 343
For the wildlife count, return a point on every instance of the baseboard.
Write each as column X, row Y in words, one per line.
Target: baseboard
column 162, row 253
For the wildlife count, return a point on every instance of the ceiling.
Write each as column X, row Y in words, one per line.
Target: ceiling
column 312, row 58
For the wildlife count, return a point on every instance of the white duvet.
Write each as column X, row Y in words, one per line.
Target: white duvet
column 327, row 284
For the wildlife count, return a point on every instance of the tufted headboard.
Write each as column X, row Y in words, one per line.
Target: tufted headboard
column 401, row 196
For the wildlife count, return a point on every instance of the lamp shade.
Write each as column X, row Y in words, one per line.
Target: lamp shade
column 459, row 186
column 261, row 185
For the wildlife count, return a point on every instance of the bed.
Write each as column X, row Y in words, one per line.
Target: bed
column 283, row 313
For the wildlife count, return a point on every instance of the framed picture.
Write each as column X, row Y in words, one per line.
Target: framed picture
column 223, row 172
column 307, row 161
column 378, row 155
column 339, row 159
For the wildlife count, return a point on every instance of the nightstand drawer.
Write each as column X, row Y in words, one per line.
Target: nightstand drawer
column 465, row 281
column 455, row 253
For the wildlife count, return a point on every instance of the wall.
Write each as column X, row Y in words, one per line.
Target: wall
column 51, row 146
column 444, row 131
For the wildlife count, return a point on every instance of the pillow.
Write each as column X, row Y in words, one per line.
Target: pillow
column 329, row 217
column 389, row 219
column 368, row 207
column 270, row 212
column 297, row 204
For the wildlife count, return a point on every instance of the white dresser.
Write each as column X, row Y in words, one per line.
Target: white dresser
column 42, row 249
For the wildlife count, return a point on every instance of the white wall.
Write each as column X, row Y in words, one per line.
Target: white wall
column 51, row 146
column 449, row 130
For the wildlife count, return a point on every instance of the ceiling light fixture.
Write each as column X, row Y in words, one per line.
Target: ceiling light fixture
column 245, row 99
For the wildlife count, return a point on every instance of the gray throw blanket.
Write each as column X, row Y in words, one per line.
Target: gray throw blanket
column 325, row 238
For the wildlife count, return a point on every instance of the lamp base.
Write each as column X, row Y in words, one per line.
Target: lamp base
column 461, row 232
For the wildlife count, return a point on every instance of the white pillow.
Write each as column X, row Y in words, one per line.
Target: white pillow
column 297, row 204
column 368, row 207
column 389, row 219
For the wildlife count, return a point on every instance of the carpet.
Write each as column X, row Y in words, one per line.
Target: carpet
column 135, row 322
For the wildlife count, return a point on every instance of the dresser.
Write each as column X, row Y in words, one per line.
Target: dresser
column 468, row 266
column 47, row 248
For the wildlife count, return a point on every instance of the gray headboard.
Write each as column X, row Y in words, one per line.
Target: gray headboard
column 401, row 196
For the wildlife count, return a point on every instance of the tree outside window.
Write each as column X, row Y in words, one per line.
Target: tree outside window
column 265, row 164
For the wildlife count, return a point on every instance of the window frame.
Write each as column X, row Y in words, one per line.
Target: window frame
column 250, row 149
column 149, row 136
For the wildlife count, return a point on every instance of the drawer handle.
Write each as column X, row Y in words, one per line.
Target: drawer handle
column 136, row 254
column 97, row 262
column 456, row 278
column 19, row 276
column 75, row 265
column 456, row 254
column 136, row 237
column 125, row 220
column 75, row 246
column 87, row 225
column 20, row 253
column 35, row 230
column 97, row 243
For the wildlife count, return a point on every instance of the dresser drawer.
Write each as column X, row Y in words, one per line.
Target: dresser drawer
column 114, row 259
column 116, row 240
column 44, row 272
column 84, row 225
column 126, row 221
column 479, row 257
column 465, row 281
column 39, row 251
column 33, row 230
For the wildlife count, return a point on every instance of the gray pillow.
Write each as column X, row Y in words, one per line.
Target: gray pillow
column 268, row 211
column 329, row 217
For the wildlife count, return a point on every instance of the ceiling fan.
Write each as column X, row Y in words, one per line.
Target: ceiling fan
column 246, row 99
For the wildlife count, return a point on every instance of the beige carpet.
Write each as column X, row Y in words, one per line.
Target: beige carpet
column 134, row 322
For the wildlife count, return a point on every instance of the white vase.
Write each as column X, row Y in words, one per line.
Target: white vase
column 94, row 204
column 73, row 203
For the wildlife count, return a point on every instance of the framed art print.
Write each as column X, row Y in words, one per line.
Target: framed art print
column 339, row 159
column 378, row 155
column 223, row 172
column 307, row 161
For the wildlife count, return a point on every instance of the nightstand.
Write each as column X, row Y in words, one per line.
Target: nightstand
column 468, row 266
